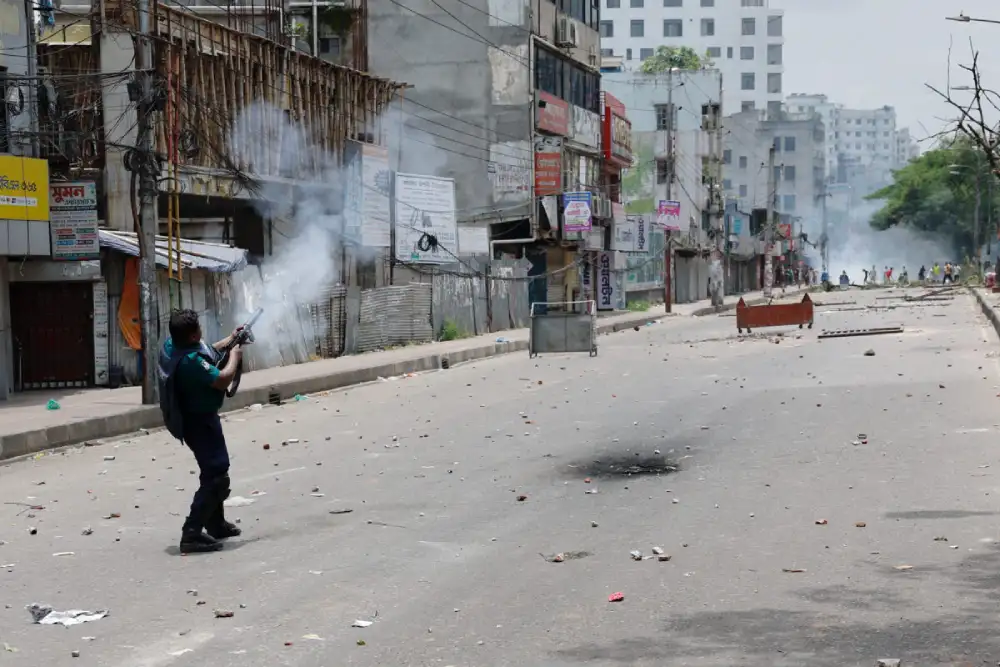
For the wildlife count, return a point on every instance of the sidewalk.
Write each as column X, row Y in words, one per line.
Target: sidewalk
column 26, row 426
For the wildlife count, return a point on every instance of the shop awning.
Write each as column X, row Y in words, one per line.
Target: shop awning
column 213, row 257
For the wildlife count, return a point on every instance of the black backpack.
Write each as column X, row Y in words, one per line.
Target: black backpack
column 173, row 417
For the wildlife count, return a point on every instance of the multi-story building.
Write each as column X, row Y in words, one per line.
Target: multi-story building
column 677, row 155
column 799, row 190
column 863, row 146
column 505, row 100
column 743, row 39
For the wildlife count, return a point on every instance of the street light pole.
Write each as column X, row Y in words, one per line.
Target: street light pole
column 962, row 18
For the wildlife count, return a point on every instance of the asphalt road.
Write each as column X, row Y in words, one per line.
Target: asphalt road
column 439, row 552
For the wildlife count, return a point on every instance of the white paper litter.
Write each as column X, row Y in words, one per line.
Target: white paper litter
column 361, row 624
column 43, row 614
column 237, row 501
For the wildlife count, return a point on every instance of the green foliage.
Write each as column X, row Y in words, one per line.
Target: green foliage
column 638, row 306
column 451, row 331
column 669, row 57
column 936, row 194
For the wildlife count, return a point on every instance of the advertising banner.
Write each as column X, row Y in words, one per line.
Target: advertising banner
column 425, row 205
column 548, row 166
column 610, row 291
column 551, row 114
column 24, row 188
column 73, row 221
column 668, row 214
column 577, row 212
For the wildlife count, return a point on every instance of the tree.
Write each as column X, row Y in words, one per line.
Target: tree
column 673, row 57
column 936, row 194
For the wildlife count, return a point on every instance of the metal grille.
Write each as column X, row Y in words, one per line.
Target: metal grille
column 329, row 321
column 395, row 316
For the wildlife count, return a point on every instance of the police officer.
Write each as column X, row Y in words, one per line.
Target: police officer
column 192, row 390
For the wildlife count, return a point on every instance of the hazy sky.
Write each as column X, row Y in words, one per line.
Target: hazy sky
column 869, row 53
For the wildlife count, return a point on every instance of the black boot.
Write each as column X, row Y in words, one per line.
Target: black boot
column 198, row 543
column 219, row 528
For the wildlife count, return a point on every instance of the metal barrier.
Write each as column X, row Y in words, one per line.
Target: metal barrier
column 774, row 315
column 563, row 330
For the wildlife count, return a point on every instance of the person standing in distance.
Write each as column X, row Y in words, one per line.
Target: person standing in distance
column 192, row 390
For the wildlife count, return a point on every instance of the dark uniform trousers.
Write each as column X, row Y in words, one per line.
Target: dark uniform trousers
column 203, row 435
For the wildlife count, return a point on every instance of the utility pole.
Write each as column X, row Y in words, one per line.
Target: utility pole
column 147, row 208
column 716, row 203
column 772, row 196
column 670, row 132
column 32, row 71
column 824, row 239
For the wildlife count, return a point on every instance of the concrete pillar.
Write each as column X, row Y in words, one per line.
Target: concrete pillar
column 6, row 340
column 117, row 55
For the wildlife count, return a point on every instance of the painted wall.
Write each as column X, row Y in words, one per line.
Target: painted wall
column 468, row 115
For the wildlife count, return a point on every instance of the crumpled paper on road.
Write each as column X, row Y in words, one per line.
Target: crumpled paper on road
column 43, row 614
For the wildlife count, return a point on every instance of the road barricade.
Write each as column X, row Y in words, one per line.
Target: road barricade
column 774, row 315
column 564, row 330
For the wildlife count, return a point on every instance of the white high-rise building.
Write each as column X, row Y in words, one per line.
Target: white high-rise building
column 742, row 38
column 861, row 144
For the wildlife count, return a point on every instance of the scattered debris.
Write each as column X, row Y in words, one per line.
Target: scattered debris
column 8, row 648
column 64, row 553
column 109, row 458
column 113, row 515
column 237, row 501
column 902, row 568
column 636, row 554
column 849, row 333
column 616, row 597
column 522, row 498
column 313, row 637
column 361, row 642
column 593, row 524
column 663, row 558
column 869, row 353
column 75, row 654
column 792, row 570
column 43, row 614
column 360, row 624
column 224, row 613
column 565, row 556
column 940, row 539
column 87, row 531
column 342, row 511
column 821, row 522
column 888, row 662
column 658, row 551
column 860, row 524
column 53, row 404
column 267, row 446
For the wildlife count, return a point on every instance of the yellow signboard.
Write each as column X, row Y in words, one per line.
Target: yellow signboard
column 24, row 188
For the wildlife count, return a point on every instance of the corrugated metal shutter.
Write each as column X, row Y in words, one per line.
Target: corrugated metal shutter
column 328, row 321
column 394, row 316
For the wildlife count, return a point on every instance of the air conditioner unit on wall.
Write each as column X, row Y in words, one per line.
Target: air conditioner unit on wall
column 566, row 33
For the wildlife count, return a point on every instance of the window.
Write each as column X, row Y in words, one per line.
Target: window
column 727, row 156
column 714, row 52
column 673, row 28
column 586, row 12
column 628, row 54
column 743, row 191
column 777, row 174
column 774, row 53
column 789, row 203
column 567, row 80
column 774, row 110
column 743, row 162
column 748, row 106
column 752, row 3
column 661, row 171
column 748, row 81
column 708, row 3
column 614, row 4
column 673, row 3
column 637, row 28
column 746, row 53
column 607, row 53
column 329, row 46
column 707, row 27
column 857, row 134
column 663, row 116
column 773, row 26
column 774, row 82
column 645, row 53
column 789, row 144
column 607, row 28
column 790, row 174
column 727, row 184
column 749, row 26
column 636, row 4
column 729, row 52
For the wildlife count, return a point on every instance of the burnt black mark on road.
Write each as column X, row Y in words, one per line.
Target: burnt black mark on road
column 614, row 465
column 936, row 514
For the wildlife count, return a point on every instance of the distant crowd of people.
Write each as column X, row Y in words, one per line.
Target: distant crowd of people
column 948, row 273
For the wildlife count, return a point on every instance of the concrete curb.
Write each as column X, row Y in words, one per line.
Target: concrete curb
column 713, row 310
column 988, row 310
column 148, row 417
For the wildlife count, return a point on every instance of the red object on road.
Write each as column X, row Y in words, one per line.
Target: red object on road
column 616, row 597
column 774, row 315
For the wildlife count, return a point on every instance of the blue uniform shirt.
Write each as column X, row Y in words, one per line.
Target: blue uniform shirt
column 195, row 375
